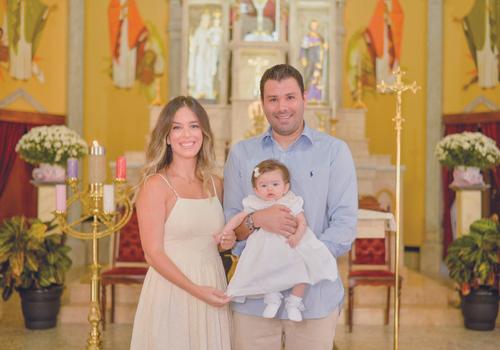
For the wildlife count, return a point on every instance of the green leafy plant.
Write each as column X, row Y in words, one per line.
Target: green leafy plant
column 31, row 256
column 473, row 259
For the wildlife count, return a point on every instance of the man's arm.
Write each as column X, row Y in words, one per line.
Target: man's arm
column 342, row 203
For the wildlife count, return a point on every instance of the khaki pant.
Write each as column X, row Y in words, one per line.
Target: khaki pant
column 258, row 333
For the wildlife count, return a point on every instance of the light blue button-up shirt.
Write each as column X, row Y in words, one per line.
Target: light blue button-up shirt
column 322, row 172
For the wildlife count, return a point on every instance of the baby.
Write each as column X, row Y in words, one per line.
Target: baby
column 271, row 263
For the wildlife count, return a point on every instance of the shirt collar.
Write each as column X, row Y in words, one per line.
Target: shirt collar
column 307, row 134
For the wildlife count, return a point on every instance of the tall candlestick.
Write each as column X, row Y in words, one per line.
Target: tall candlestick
column 60, row 198
column 72, row 168
column 108, row 198
column 97, row 163
column 121, row 168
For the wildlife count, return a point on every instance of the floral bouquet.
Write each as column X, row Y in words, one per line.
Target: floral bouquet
column 469, row 149
column 467, row 153
column 50, row 146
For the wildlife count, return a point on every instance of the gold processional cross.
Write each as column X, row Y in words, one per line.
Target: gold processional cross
column 398, row 87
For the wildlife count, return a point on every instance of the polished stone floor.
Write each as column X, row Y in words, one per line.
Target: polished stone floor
column 13, row 336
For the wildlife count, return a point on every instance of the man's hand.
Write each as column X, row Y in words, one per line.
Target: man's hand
column 277, row 219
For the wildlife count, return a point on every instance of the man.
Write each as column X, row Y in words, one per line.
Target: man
column 323, row 173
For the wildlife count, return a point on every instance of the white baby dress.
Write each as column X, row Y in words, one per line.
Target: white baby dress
column 268, row 263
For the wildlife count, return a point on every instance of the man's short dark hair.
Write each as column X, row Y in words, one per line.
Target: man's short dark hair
column 280, row 72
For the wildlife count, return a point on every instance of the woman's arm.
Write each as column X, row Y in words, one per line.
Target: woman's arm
column 154, row 203
column 225, row 239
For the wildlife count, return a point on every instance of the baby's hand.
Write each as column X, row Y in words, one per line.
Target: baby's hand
column 217, row 237
column 294, row 240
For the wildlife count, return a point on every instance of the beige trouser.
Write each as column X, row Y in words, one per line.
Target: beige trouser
column 258, row 333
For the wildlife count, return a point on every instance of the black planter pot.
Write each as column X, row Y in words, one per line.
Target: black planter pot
column 480, row 309
column 41, row 306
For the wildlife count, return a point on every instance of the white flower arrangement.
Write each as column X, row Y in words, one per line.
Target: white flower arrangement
column 470, row 149
column 51, row 145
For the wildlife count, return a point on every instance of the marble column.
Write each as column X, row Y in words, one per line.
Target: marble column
column 431, row 251
column 174, row 48
column 75, row 88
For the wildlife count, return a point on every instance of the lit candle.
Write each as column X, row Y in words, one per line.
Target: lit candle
column 72, row 168
column 121, row 168
column 108, row 199
column 97, row 163
column 61, row 198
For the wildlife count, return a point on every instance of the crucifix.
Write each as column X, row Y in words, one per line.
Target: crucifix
column 398, row 87
column 259, row 63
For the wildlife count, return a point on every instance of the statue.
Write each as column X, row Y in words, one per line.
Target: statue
column 260, row 65
column 313, row 57
column 204, row 47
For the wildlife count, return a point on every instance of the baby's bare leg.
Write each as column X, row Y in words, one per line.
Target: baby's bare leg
column 299, row 289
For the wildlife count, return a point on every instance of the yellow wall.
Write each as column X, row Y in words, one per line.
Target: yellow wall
column 51, row 57
column 381, row 109
column 456, row 75
column 118, row 118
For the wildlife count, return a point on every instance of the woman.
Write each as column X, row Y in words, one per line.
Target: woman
column 182, row 304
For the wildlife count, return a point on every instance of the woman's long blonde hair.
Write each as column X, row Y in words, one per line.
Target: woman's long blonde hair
column 159, row 155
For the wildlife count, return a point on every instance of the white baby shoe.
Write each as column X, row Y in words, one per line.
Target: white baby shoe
column 273, row 302
column 294, row 308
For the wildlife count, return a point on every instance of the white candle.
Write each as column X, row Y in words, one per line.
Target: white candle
column 108, row 199
column 61, row 198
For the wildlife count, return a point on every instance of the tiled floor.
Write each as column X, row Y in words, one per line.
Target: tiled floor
column 13, row 336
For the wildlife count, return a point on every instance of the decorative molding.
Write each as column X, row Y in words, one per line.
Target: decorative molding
column 22, row 94
column 481, row 100
column 33, row 118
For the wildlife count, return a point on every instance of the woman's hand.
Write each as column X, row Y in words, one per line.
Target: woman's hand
column 227, row 239
column 212, row 296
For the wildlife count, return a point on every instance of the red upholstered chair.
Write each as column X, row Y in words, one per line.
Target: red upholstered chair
column 128, row 265
column 370, row 265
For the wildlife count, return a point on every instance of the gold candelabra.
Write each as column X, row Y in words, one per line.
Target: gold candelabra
column 104, row 223
column 398, row 87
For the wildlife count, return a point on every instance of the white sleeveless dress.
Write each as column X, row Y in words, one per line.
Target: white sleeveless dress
column 169, row 318
column 268, row 264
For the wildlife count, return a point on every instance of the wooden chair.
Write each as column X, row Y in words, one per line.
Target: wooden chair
column 370, row 265
column 128, row 265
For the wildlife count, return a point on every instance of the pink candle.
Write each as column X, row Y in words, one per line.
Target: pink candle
column 61, row 198
column 121, row 168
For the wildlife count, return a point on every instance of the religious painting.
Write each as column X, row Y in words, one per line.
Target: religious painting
column 482, row 31
column 136, row 48
column 22, row 25
column 204, row 52
column 314, row 54
column 374, row 52
column 259, row 19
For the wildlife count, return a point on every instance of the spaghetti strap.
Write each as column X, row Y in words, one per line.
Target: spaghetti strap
column 169, row 185
column 213, row 184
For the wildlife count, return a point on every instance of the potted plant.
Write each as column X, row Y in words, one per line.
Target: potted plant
column 50, row 147
column 33, row 260
column 472, row 262
column 467, row 153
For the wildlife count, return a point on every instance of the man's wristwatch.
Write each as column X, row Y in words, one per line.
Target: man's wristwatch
column 249, row 223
